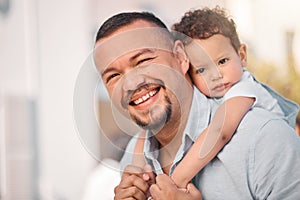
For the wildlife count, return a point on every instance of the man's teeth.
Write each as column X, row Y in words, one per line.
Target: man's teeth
column 145, row 97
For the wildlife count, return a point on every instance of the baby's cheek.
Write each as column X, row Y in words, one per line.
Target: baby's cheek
column 203, row 87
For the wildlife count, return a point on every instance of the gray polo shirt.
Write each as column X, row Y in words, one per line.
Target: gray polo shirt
column 262, row 160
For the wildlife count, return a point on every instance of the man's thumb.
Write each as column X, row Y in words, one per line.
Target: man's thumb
column 149, row 174
column 194, row 191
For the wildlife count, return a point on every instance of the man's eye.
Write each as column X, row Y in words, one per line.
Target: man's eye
column 200, row 70
column 223, row 61
column 110, row 77
column 144, row 60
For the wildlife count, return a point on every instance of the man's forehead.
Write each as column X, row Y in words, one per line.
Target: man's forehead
column 109, row 49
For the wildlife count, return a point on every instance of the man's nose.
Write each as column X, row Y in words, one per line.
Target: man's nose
column 133, row 80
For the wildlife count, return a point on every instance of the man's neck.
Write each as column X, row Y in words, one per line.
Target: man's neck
column 170, row 137
column 173, row 129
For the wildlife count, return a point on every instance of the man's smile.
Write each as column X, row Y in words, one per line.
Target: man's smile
column 141, row 96
column 145, row 97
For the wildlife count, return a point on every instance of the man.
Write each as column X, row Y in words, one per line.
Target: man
column 145, row 73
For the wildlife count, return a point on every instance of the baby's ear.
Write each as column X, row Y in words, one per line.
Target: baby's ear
column 243, row 54
column 181, row 55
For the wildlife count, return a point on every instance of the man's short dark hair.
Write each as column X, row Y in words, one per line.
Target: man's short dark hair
column 119, row 20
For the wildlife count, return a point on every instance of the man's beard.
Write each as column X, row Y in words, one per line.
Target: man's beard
column 158, row 120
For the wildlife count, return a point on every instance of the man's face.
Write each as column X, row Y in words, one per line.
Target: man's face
column 143, row 75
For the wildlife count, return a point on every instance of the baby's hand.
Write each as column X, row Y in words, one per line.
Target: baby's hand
column 165, row 189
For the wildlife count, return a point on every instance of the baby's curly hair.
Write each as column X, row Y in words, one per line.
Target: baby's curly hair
column 206, row 22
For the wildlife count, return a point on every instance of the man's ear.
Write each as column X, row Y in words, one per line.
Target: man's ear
column 181, row 55
column 243, row 54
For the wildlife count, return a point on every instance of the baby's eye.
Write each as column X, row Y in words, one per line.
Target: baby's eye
column 223, row 61
column 200, row 70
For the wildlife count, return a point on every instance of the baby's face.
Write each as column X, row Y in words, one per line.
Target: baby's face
column 216, row 66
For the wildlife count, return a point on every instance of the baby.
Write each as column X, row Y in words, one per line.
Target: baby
column 217, row 69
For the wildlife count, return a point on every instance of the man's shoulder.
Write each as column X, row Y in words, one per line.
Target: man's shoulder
column 256, row 122
column 257, row 118
column 274, row 152
column 264, row 124
column 262, row 128
column 264, row 152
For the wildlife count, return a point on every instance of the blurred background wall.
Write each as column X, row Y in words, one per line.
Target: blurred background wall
column 44, row 46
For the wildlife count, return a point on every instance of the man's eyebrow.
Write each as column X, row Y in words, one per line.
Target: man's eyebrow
column 140, row 53
column 107, row 70
column 131, row 59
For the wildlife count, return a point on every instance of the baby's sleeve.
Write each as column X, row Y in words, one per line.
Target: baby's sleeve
column 246, row 87
column 249, row 87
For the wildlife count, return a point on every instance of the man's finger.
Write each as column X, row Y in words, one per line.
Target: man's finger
column 155, row 191
column 130, row 193
column 131, row 187
column 133, row 180
column 149, row 175
column 131, row 169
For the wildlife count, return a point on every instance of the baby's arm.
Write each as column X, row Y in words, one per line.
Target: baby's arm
column 222, row 127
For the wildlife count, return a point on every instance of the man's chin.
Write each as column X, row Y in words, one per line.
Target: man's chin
column 154, row 124
column 155, row 118
column 148, row 125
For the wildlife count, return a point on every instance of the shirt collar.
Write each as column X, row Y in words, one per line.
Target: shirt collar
column 199, row 115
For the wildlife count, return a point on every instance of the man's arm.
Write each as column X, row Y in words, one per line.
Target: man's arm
column 276, row 173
